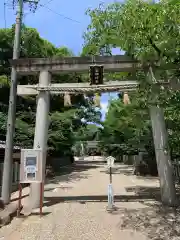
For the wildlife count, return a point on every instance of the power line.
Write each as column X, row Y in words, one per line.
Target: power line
column 45, row 4
column 61, row 15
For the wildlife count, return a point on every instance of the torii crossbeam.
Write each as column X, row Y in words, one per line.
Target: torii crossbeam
column 78, row 88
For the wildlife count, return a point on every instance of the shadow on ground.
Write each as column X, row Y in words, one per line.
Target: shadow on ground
column 43, row 214
column 78, row 166
column 119, row 170
column 128, row 171
column 148, row 177
column 91, row 162
column 141, row 194
column 49, row 201
column 144, row 191
column 152, row 192
column 62, row 187
column 156, row 221
column 74, row 172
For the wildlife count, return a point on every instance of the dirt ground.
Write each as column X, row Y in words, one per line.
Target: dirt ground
column 75, row 207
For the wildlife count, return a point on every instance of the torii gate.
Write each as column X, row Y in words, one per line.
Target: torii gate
column 44, row 67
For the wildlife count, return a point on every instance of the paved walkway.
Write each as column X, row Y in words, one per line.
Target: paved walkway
column 75, row 207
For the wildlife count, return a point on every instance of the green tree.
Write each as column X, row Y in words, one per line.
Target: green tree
column 64, row 121
column 145, row 31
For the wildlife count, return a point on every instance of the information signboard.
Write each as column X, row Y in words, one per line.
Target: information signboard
column 110, row 161
column 31, row 169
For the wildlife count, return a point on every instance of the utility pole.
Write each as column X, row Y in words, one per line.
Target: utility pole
column 7, row 169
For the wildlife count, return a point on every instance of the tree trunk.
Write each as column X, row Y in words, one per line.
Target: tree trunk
column 164, row 164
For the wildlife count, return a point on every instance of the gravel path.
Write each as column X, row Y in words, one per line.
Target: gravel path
column 75, row 207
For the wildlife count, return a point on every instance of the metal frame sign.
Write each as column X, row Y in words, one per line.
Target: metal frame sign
column 110, row 161
column 31, row 169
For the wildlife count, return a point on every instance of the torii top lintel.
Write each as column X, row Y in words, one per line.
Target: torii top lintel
column 117, row 63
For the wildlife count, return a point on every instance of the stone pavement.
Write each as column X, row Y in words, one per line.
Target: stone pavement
column 75, row 207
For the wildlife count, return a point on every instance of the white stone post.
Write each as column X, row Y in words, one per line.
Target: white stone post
column 41, row 131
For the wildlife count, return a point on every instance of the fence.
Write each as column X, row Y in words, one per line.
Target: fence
column 15, row 175
column 133, row 159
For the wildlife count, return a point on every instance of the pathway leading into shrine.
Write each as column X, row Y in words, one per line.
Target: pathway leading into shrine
column 75, row 207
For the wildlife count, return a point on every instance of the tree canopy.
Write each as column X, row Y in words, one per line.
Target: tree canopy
column 144, row 30
column 65, row 122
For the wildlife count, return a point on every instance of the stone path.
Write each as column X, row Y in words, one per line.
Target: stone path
column 75, row 207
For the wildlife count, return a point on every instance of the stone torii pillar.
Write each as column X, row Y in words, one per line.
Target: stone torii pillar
column 41, row 132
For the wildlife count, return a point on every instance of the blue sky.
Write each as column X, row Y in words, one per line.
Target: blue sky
column 61, row 22
column 104, row 102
